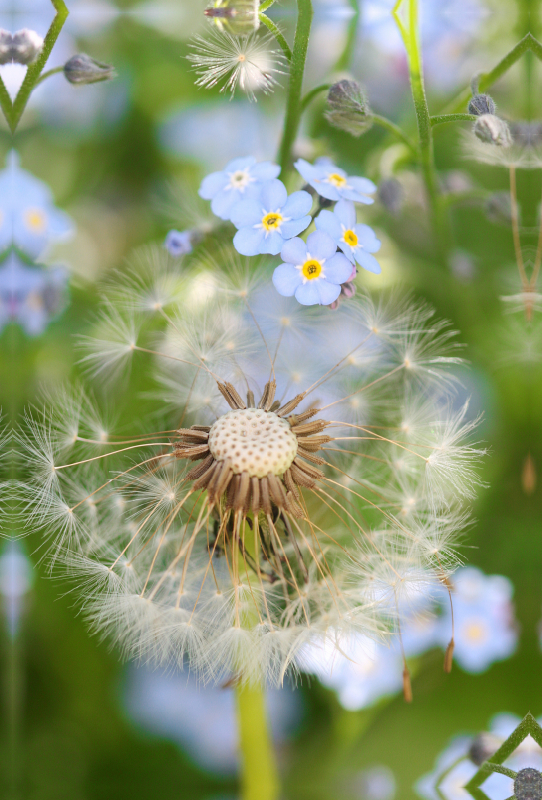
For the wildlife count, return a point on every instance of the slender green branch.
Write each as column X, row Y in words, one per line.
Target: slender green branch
column 390, row 126
column 309, row 97
column 265, row 5
column 277, row 33
column 442, row 119
column 487, row 79
column 34, row 70
column 5, row 100
column 343, row 62
column 297, row 68
column 48, row 74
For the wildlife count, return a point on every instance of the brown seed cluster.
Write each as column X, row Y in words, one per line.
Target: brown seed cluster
column 256, row 458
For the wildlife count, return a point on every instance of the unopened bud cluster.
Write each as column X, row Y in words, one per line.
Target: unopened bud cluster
column 348, row 109
column 238, row 17
column 82, row 69
column 489, row 128
column 21, row 47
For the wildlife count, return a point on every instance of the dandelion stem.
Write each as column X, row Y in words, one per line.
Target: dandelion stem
column 297, row 68
column 259, row 777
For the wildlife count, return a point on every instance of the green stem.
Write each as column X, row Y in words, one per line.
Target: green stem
column 442, row 119
column 265, row 5
column 48, row 74
column 312, row 94
column 395, row 129
column 345, row 58
column 297, row 68
column 34, row 70
column 277, row 33
column 259, row 773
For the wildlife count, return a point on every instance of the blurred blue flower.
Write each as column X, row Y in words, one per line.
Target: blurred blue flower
column 30, row 295
column 333, row 183
column 313, row 272
column 16, row 578
column 201, row 719
column 361, row 673
column 357, row 241
column 265, row 222
column 241, row 179
column 484, row 620
column 450, row 773
column 29, row 219
column 178, row 243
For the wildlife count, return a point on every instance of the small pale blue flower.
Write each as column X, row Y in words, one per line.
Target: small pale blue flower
column 30, row 295
column 29, row 219
column 312, row 272
column 242, row 179
column 178, row 243
column 357, row 241
column 266, row 222
column 333, row 183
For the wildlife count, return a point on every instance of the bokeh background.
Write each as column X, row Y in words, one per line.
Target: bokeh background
column 124, row 159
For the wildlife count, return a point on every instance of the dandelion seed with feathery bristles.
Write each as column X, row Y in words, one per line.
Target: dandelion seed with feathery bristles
column 309, row 476
column 247, row 63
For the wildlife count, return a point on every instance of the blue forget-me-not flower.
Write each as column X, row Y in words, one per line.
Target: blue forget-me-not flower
column 267, row 221
column 29, row 219
column 241, row 179
column 313, row 272
column 179, row 243
column 30, row 295
column 333, row 183
column 357, row 241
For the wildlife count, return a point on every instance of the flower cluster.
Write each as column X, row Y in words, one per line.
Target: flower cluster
column 30, row 293
column 483, row 629
column 307, row 476
column 269, row 221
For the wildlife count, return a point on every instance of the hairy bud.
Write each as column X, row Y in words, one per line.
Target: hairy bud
column 528, row 784
column 26, row 45
column 481, row 104
column 483, row 746
column 5, row 46
column 81, row 69
column 492, row 130
column 239, row 17
column 347, row 108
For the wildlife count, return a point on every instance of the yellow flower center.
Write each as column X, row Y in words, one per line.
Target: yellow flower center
column 336, row 180
column 311, row 269
column 351, row 238
column 272, row 221
column 475, row 632
column 35, row 219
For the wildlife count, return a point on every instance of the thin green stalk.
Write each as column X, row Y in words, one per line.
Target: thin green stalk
column 395, row 129
column 265, row 5
column 309, row 97
column 259, row 776
column 343, row 62
column 48, row 74
column 277, row 33
column 442, row 119
column 34, row 70
column 297, row 68
column 259, row 773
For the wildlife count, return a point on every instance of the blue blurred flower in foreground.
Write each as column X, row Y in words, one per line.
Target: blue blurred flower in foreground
column 460, row 760
column 484, row 620
column 15, row 582
column 30, row 295
column 179, row 243
column 313, row 272
column 357, row 241
column 29, row 219
column 201, row 719
column 333, row 183
column 241, row 179
column 267, row 221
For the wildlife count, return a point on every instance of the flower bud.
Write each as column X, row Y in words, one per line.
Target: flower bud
column 239, row 17
column 26, row 45
column 528, row 784
column 492, row 130
column 483, row 746
column 391, row 195
column 348, row 109
column 5, row 47
column 81, row 69
column 481, row 104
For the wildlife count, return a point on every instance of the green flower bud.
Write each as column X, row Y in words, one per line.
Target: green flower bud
column 492, row 130
column 81, row 69
column 348, row 109
column 238, row 17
